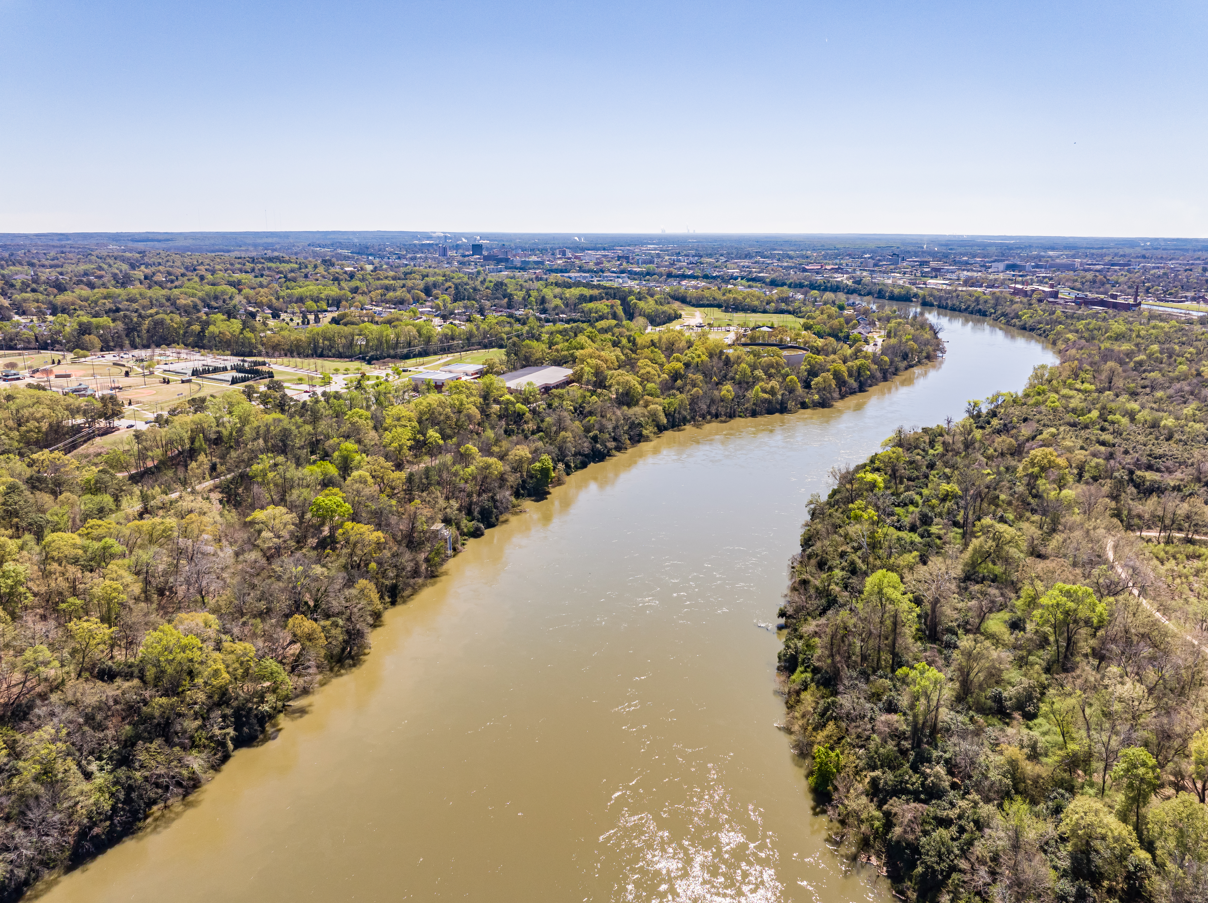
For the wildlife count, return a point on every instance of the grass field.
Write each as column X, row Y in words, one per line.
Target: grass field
column 290, row 378
column 1188, row 305
column 716, row 317
column 470, row 357
column 31, row 359
column 320, row 364
column 479, row 357
column 104, row 444
column 156, row 396
column 88, row 370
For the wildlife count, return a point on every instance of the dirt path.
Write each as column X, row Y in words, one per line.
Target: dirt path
column 1111, row 548
column 1179, row 535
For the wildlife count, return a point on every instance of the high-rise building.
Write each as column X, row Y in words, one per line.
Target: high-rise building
column 475, row 250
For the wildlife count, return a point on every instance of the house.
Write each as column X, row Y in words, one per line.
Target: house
column 470, row 371
column 543, row 378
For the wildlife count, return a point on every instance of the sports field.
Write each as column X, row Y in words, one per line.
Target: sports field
column 716, row 317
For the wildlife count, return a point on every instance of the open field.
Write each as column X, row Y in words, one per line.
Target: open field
column 104, row 444
column 717, row 317
column 156, row 396
column 480, row 357
column 320, row 364
column 469, row 357
column 89, row 370
column 30, row 359
column 1183, row 305
column 290, row 378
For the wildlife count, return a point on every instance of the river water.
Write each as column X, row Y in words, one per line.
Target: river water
column 582, row 708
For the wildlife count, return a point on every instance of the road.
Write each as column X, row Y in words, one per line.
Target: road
column 1124, row 575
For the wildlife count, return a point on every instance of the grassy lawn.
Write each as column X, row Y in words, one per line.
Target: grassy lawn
column 1166, row 305
column 157, row 397
column 31, row 360
column 290, row 378
column 104, row 444
column 100, row 369
column 422, row 363
column 469, row 357
column 320, row 364
column 35, row 358
column 717, row 317
column 479, row 357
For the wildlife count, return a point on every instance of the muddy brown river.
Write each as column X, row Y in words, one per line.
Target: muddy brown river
column 582, row 708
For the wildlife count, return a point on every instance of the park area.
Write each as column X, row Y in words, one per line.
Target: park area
column 439, row 360
column 714, row 316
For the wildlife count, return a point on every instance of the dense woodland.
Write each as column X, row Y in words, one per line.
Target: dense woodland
column 991, row 707
column 255, row 305
column 148, row 627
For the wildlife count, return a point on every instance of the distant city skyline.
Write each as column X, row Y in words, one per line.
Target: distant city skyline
column 948, row 118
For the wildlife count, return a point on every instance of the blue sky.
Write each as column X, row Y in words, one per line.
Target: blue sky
column 1059, row 117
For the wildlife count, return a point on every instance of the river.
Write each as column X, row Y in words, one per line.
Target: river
column 582, row 708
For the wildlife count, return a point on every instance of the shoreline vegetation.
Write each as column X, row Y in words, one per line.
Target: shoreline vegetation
column 998, row 685
column 147, row 629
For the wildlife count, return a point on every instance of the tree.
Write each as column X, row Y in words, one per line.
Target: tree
column 112, row 407
column 1108, row 707
column 935, row 582
column 827, row 762
column 938, row 856
column 889, row 614
column 171, row 661
column 330, row 508
column 1102, row 849
column 347, row 458
column 13, row 594
column 362, row 542
column 1061, row 712
column 1178, row 829
column 925, row 689
column 1044, row 464
column 542, row 472
column 89, row 637
column 976, row 664
column 306, row 632
column 107, row 598
column 1064, row 612
column 274, row 527
column 268, row 472
column 825, row 388
column 1138, row 776
column 1198, row 753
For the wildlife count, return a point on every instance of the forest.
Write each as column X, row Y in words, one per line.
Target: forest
column 253, row 306
column 799, row 297
column 994, row 661
column 163, row 602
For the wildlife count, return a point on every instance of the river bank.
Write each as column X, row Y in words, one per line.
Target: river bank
column 966, row 617
column 582, row 704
